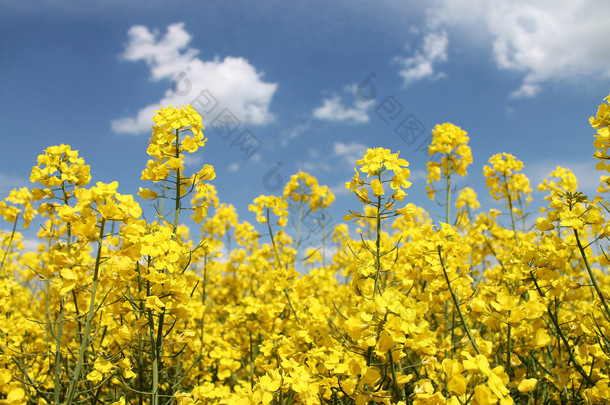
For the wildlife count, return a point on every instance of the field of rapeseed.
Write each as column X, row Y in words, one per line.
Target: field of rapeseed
column 114, row 309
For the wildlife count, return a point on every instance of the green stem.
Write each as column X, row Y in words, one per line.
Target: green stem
column 448, row 202
column 277, row 258
column 154, row 392
column 510, row 207
column 251, row 360
column 508, row 348
column 275, row 251
column 323, row 239
column 397, row 391
column 296, row 240
column 203, row 298
column 140, row 340
column 564, row 339
column 456, row 303
column 378, row 247
column 590, row 272
column 178, row 185
column 58, row 337
column 85, row 342
column 10, row 244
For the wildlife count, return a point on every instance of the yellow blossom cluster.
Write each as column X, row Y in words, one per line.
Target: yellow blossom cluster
column 601, row 122
column 451, row 142
column 303, row 187
column 385, row 167
column 393, row 308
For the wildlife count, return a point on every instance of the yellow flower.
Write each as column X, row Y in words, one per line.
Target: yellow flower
column 60, row 165
column 386, row 342
column 267, row 386
column 457, row 384
column 167, row 147
column 601, row 122
column 451, row 142
column 544, row 224
column 16, row 396
column 503, row 180
column 407, row 211
column 378, row 160
column 154, row 303
column 95, row 377
column 484, row 396
column 377, row 188
column 527, row 385
column 263, row 205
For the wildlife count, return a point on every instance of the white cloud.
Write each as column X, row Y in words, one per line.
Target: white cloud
column 349, row 152
column 233, row 168
column 9, row 182
column 210, row 86
column 193, row 161
column 294, row 132
column 256, row 158
column 586, row 174
column 333, row 109
column 339, row 189
column 418, row 175
column 421, row 64
column 316, row 162
column 343, row 156
column 544, row 41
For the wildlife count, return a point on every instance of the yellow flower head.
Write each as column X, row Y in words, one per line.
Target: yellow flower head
column 601, row 122
column 566, row 181
column 60, row 165
column 265, row 204
column 303, row 187
column 467, row 198
column 379, row 160
column 22, row 203
column 452, row 143
column 166, row 146
column 205, row 196
column 388, row 169
column 503, row 180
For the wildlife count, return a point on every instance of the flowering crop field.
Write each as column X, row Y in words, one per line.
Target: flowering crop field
column 114, row 309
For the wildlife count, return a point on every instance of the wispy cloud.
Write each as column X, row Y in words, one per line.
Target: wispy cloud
column 10, row 182
column 418, row 175
column 349, row 152
column 586, row 174
column 342, row 158
column 545, row 41
column 233, row 168
column 422, row 64
column 193, row 161
column 232, row 82
column 294, row 132
column 334, row 109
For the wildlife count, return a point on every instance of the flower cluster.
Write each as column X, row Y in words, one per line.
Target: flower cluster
column 303, row 187
column 165, row 146
column 601, row 122
column 504, row 181
column 113, row 308
column 263, row 205
column 451, row 142
column 59, row 165
column 386, row 168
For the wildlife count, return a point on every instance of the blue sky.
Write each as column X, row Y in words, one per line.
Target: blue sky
column 308, row 85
